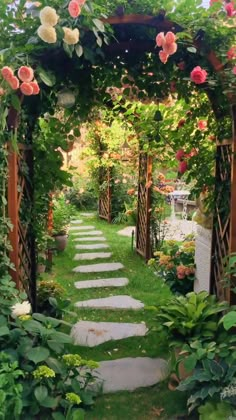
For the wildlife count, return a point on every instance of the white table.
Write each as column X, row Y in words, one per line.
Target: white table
column 174, row 195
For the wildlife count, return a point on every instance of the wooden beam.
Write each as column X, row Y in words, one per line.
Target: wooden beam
column 233, row 198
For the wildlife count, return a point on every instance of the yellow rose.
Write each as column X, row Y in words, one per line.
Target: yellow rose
column 71, row 37
column 47, row 33
column 48, row 16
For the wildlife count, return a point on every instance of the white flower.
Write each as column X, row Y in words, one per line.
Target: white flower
column 71, row 37
column 48, row 16
column 47, row 33
column 18, row 309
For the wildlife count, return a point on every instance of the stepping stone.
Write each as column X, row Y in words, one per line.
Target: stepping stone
column 97, row 268
column 82, row 228
column 127, row 231
column 87, row 214
column 90, row 232
column 91, row 334
column 92, row 255
column 130, row 373
column 92, row 246
column 76, row 222
column 112, row 282
column 111, row 302
column 91, row 238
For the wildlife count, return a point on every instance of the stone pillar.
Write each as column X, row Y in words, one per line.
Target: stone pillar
column 203, row 259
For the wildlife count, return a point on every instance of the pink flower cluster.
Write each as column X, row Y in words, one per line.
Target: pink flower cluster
column 74, row 7
column 168, row 44
column 230, row 9
column 24, row 81
column 231, row 54
column 183, row 271
column 181, row 156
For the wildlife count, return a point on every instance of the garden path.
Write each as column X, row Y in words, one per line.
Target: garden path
column 119, row 374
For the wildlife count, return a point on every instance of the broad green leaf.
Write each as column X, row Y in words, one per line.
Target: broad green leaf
column 58, row 416
column 79, row 50
column 77, row 414
column 47, row 77
column 38, row 354
column 190, row 362
column 229, row 320
column 50, row 402
column 4, row 331
column 99, row 24
column 41, row 392
column 192, row 50
column 15, row 102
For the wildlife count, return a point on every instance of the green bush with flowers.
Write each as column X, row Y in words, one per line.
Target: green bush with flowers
column 174, row 263
column 39, row 377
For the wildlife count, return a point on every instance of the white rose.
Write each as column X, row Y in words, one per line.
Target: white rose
column 71, row 37
column 47, row 33
column 18, row 309
column 48, row 16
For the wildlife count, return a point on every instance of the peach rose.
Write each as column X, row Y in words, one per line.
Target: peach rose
column 170, row 37
column 2, row 91
column 74, row 9
column 48, row 16
column 26, row 88
column 47, row 33
column 25, row 74
column 7, row 73
column 202, row 125
column 35, row 86
column 160, row 39
column 170, row 48
column 131, row 191
column 198, row 75
column 163, row 56
column 14, row 82
column 183, row 166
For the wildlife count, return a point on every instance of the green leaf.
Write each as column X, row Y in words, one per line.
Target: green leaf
column 15, row 102
column 79, row 50
column 77, row 414
column 38, row 354
column 99, row 25
column 190, row 362
column 47, row 78
column 41, row 392
column 68, row 49
column 55, row 365
column 50, row 402
column 229, row 320
column 192, row 50
column 58, row 416
column 4, row 331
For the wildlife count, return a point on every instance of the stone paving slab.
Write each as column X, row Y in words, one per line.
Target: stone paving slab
column 98, row 268
column 127, row 231
column 92, row 255
column 112, row 282
column 90, row 238
column 87, row 214
column 112, row 302
column 88, row 233
column 76, row 221
column 91, row 334
column 130, row 373
column 82, row 228
column 92, row 246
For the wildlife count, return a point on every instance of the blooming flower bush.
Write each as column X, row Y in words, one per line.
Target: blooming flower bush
column 174, row 263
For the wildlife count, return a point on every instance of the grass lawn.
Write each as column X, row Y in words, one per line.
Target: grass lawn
column 143, row 285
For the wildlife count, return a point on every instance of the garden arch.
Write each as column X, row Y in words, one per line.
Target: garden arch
column 225, row 229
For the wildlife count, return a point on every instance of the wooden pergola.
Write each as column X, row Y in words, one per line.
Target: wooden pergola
column 224, row 231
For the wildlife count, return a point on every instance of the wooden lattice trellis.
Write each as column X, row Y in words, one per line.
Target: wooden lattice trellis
column 105, row 194
column 20, row 202
column 143, row 245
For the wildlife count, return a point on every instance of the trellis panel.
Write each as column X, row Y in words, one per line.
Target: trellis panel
column 143, row 240
column 105, row 194
column 20, row 194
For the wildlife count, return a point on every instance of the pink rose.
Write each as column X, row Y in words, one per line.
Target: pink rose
column 74, row 9
column 229, row 8
column 198, row 75
column 202, row 124
column 170, row 38
column 160, row 39
column 231, row 54
column 14, row 82
column 180, row 154
column 25, row 74
column 26, row 88
column 35, row 87
column 163, row 56
column 183, row 166
column 170, row 48
column 7, row 73
column 234, row 70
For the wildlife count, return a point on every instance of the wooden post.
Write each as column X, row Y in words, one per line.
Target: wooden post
column 13, row 214
column 109, row 194
column 148, row 209
column 50, row 226
column 232, row 296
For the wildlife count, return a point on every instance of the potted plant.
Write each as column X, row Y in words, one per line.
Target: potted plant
column 62, row 213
